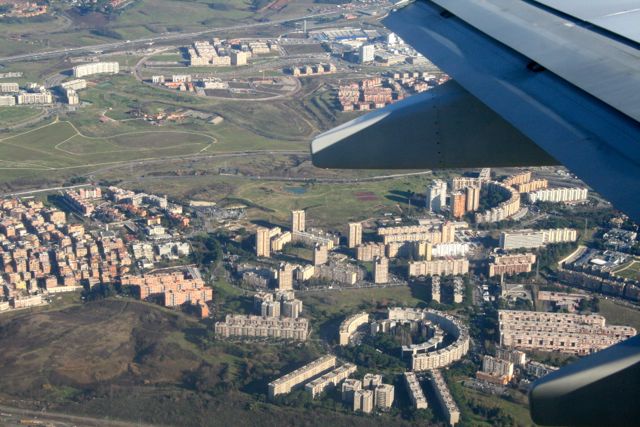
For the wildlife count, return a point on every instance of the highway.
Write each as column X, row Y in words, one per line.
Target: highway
column 161, row 38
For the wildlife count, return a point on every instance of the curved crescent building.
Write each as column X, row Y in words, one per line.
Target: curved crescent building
column 432, row 354
column 350, row 325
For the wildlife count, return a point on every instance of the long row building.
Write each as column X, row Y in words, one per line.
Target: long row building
column 563, row 332
column 559, row 195
column 174, row 289
column 239, row 325
column 445, row 399
column 536, row 238
column 96, row 68
column 286, row 383
column 440, row 267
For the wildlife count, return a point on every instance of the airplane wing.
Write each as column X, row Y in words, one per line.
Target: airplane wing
column 534, row 83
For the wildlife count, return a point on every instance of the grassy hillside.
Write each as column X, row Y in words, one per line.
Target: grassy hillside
column 122, row 359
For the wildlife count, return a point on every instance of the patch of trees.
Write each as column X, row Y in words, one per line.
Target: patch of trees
column 105, row 32
column 99, row 291
column 492, row 196
column 368, row 356
column 495, row 415
column 550, row 256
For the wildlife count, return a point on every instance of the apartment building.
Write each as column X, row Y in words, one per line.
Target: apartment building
column 435, row 289
column 263, row 242
column 26, row 302
column 330, row 379
column 511, row 264
column 559, row 195
column 76, row 84
column 436, row 196
column 368, row 251
column 7, row 100
column 496, row 371
column 534, row 185
column 340, row 273
column 238, row 58
column 383, row 396
column 292, row 308
column 285, row 384
column 9, row 88
column 538, row 370
column 304, row 272
column 520, row 178
column 562, row 300
column 279, row 240
column 536, row 238
column 462, row 182
column 517, row 357
column 320, row 254
column 363, row 401
column 96, row 68
column 350, row 325
column 311, row 239
column 349, row 387
column 504, row 210
column 298, row 221
column 563, row 332
column 371, row 381
column 175, row 298
column 355, row 234
column 416, row 394
column 270, row 309
column 458, row 203
column 445, row 399
column 472, row 194
column 285, row 276
column 263, row 327
column 410, row 233
column 27, row 98
column 455, row 249
column 439, row 267
column 381, row 270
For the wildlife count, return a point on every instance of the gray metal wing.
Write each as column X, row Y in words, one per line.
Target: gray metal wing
column 571, row 87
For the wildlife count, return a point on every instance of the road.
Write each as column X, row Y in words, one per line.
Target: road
column 10, row 416
column 43, row 190
column 129, row 44
column 289, row 179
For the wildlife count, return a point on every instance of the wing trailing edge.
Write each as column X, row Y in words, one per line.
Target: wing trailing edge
column 445, row 127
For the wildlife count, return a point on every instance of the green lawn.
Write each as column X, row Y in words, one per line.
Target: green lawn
column 331, row 204
column 16, row 114
column 617, row 314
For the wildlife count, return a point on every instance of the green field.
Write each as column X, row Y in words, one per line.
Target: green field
column 617, row 314
column 141, row 18
column 15, row 115
column 59, row 145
